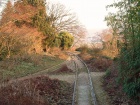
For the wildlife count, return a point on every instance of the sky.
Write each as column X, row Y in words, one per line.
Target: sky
column 91, row 13
column 2, row 4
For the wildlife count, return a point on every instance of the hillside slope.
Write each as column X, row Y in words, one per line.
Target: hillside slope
column 17, row 22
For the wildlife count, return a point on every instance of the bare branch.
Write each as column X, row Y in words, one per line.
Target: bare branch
column 60, row 18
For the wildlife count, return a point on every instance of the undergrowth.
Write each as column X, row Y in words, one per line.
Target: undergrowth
column 37, row 91
column 99, row 64
column 129, row 74
column 64, row 69
column 115, row 87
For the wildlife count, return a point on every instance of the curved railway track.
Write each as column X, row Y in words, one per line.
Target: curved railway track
column 83, row 87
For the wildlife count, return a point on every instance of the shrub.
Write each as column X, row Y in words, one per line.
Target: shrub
column 132, row 89
column 95, row 51
column 102, row 64
column 108, row 73
column 19, row 23
column 129, row 74
column 63, row 69
column 66, row 40
column 83, row 49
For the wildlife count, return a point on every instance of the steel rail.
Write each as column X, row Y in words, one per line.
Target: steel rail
column 94, row 100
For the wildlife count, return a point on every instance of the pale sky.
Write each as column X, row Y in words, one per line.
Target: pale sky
column 91, row 13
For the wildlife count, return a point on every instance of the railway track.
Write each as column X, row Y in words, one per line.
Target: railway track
column 83, row 88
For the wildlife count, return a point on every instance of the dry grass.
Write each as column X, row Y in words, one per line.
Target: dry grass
column 101, row 94
column 19, row 66
column 85, row 56
column 110, row 53
column 58, row 53
column 62, row 70
column 37, row 91
column 100, row 64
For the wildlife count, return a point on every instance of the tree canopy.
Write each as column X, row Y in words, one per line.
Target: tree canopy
column 34, row 2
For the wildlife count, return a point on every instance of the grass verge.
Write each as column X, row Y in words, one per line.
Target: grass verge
column 25, row 65
column 101, row 94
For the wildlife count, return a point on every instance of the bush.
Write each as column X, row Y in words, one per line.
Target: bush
column 66, row 40
column 19, row 23
column 132, row 89
column 129, row 73
column 63, row 69
column 96, row 51
column 102, row 64
column 108, row 73
column 83, row 49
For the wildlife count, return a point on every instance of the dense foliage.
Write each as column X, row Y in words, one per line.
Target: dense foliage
column 66, row 40
column 34, row 2
column 126, row 26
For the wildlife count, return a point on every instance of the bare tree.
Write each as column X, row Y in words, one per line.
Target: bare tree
column 108, row 42
column 60, row 18
column 79, row 32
